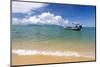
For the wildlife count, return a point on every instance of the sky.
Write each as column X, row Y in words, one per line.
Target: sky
column 52, row 13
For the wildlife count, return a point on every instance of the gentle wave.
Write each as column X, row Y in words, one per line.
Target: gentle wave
column 51, row 53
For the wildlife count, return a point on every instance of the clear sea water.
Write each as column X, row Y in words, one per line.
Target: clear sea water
column 47, row 32
column 52, row 37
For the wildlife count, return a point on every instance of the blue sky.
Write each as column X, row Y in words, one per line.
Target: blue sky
column 84, row 15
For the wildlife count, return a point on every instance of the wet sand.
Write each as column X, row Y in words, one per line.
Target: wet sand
column 45, row 59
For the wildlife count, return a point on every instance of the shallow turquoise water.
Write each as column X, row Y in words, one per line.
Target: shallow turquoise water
column 51, row 32
column 51, row 37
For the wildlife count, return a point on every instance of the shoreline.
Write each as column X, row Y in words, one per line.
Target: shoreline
column 45, row 59
column 19, row 57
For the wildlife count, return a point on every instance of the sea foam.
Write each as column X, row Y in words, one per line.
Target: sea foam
column 50, row 53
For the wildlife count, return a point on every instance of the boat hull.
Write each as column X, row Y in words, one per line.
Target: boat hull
column 76, row 29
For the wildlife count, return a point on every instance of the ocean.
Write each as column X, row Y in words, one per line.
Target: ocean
column 51, row 39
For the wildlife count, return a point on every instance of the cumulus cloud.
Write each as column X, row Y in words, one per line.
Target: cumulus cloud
column 24, row 7
column 44, row 18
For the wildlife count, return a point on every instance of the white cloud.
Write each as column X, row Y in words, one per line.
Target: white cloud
column 15, row 21
column 25, row 7
column 44, row 18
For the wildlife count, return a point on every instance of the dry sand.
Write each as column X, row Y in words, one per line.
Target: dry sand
column 44, row 59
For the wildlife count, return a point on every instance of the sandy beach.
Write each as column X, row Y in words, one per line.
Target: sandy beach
column 45, row 59
column 51, row 44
